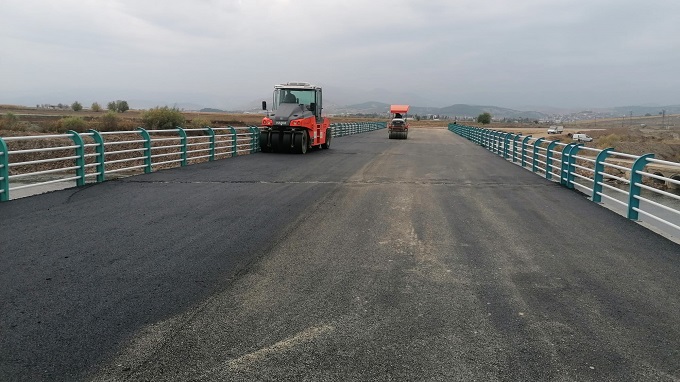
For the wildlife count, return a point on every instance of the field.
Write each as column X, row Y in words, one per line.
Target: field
column 637, row 135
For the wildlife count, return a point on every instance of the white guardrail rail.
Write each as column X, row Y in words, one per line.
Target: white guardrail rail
column 639, row 187
column 60, row 161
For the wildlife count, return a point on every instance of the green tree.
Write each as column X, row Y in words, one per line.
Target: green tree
column 119, row 106
column 122, row 106
column 95, row 107
column 484, row 118
column 76, row 106
column 162, row 118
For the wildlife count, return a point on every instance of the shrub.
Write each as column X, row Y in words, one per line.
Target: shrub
column 199, row 123
column 95, row 107
column 109, row 121
column 162, row 118
column 76, row 124
column 9, row 121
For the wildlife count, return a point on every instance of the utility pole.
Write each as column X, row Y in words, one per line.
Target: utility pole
column 630, row 120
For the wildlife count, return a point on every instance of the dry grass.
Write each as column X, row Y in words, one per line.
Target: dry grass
column 632, row 137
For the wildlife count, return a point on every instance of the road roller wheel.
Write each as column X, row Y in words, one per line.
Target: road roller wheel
column 264, row 145
column 301, row 142
column 287, row 141
column 275, row 141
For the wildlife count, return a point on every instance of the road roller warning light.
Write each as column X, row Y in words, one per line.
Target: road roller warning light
column 295, row 123
column 398, row 126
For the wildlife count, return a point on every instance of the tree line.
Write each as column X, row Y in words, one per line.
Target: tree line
column 119, row 106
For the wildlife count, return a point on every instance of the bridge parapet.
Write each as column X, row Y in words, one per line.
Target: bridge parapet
column 65, row 159
column 644, row 186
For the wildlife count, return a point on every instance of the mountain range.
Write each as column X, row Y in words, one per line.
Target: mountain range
column 458, row 110
column 337, row 100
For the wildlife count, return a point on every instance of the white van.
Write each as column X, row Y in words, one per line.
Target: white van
column 581, row 138
column 555, row 129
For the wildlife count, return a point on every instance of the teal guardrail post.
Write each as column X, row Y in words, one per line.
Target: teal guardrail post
column 101, row 155
column 534, row 155
column 183, row 142
column 234, row 142
column 514, row 147
column 524, row 149
column 80, row 154
column 255, row 139
column 634, row 192
column 570, row 167
column 4, row 171
column 569, row 164
column 211, row 134
column 598, row 176
column 499, row 143
column 506, row 144
column 565, row 162
column 147, row 149
column 548, row 159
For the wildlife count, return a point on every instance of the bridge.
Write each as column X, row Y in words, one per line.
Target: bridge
column 431, row 258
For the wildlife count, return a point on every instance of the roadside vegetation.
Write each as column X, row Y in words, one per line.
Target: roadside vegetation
column 163, row 118
column 641, row 135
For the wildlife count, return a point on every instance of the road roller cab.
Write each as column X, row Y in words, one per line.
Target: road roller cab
column 295, row 123
column 398, row 126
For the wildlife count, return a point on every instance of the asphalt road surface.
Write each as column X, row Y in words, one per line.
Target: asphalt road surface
column 427, row 259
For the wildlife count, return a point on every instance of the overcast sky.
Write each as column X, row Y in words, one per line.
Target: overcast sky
column 223, row 53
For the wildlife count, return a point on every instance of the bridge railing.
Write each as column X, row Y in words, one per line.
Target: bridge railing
column 342, row 129
column 79, row 158
column 634, row 185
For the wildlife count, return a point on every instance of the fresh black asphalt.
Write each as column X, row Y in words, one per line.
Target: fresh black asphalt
column 426, row 259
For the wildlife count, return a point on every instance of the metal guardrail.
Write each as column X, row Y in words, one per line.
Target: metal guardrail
column 342, row 129
column 94, row 156
column 594, row 172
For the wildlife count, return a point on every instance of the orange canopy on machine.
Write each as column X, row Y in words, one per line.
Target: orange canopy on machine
column 401, row 109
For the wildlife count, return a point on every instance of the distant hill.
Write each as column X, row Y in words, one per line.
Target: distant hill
column 459, row 110
column 642, row 110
